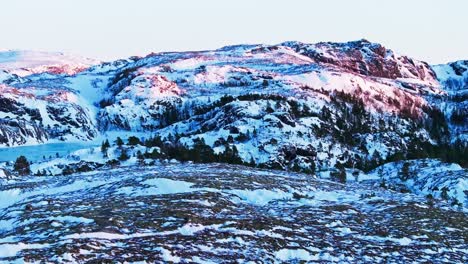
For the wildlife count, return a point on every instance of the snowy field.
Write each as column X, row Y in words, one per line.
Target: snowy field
column 185, row 213
column 37, row 152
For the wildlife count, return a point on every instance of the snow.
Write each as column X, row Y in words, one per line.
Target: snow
column 189, row 64
column 74, row 219
column 404, row 241
column 9, row 197
column 163, row 195
column 168, row 256
column 261, row 196
column 12, row 196
column 160, row 82
column 194, row 81
column 102, row 235
column 168, row 186
column 334, row 196
column 24, row 62
column 11, row 250
column 444, row 72
column 295, row 255
column 192, row 229
column 35, row 153
column 428, row 176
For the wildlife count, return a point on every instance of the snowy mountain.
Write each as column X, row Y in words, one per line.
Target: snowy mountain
column 454, row 78
column 291, row 106
column 24, row 62
column 360, row 155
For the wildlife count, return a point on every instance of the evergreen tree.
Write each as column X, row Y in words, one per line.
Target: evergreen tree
column 22, row 166
column 105, row 146
column 119, row 142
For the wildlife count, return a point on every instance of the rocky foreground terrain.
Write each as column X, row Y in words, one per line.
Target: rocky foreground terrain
column 187, row 213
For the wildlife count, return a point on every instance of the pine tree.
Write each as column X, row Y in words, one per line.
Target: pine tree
column 119, row 142
column 105, row 146
column 22, row 166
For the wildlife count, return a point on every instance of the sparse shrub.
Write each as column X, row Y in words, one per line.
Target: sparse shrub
column 140, row 155
column 444, row 193
column 340, row 173
column 133, row 141
column 112, row 163
column 356, row 175
column 67, row 170
column 123, row 155
column 430, row 200
column 455, row 202
column 383, row 184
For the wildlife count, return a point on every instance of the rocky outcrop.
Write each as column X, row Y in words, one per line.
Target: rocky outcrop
column 364, row 57
column 29, row 117
column 20, row 132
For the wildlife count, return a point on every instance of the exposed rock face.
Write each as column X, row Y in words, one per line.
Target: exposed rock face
column 141, row 103
column 20, row 132
column 364, row 57
column 27, row 116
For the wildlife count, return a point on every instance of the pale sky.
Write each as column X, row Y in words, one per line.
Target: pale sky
column 430, row 30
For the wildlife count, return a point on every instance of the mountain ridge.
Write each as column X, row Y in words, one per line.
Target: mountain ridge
column 354, row 102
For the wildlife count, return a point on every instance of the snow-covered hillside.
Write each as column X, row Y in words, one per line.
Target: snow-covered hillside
column 428, row 178
column 25, row 62
column 392, row 128
column 292, row 105
column 454, row 79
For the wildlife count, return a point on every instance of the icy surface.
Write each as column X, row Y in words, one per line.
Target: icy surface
column 220, row 213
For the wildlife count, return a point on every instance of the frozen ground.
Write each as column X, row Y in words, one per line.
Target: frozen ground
column 37, row 152
column 185, row 213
